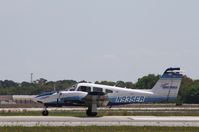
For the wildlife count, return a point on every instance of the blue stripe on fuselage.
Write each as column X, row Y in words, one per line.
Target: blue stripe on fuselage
column 45, row 94
column 115, row 101
column 68, row 100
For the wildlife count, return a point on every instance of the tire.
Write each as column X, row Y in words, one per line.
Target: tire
column 91, row 114
column 88, row 112
column 94, row 114
column 45, row 113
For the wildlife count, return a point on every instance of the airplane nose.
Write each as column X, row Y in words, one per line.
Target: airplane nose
column 36, row 99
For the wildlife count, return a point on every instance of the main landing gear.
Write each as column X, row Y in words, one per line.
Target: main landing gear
column 45, row 112
column 90, row 113
column 92, row 110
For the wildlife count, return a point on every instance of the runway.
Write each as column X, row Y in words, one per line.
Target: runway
column 115, row 108
column 99, row 121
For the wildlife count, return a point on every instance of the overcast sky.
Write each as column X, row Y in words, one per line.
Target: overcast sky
column 97, row 39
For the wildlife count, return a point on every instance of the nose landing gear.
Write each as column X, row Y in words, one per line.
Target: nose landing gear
column 45, row 112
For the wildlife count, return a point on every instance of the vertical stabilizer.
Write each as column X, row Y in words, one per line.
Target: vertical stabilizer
column 169, row 83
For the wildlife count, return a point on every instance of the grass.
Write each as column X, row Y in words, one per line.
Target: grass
column 78, row 113
column 99, row 129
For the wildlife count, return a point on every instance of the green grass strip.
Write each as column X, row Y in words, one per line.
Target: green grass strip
column 100, row 129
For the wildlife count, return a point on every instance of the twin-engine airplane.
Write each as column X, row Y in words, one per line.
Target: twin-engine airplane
column 96, row 95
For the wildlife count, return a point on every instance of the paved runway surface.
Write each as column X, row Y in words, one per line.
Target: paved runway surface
column 99, row 121
column 115, row 108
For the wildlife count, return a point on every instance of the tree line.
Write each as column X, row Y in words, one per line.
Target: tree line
column 189, row 90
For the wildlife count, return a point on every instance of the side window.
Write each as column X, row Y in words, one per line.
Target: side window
column 109, row 91
column 95, row 89
column 84, row 89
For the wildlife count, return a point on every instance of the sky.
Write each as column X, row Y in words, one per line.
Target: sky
column 97, row 39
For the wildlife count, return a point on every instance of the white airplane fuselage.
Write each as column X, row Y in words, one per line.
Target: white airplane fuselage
column 117, row 97
column 96, row 95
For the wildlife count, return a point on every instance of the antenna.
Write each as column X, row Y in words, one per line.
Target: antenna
column 31, row 77
column 54, row 86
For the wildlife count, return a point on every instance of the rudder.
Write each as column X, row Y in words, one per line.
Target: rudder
column 169, row 83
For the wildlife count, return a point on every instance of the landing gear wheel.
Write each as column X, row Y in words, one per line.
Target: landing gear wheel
column 88, row 112
column 45, row 113
column 91, row 114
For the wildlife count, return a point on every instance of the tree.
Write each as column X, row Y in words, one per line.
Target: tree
column 147, row 82
column 8, row 83
column 120, row 84
column 110, row 83
column 129, row 85
column 41, row 81
column 184, row 89
column 193, row 95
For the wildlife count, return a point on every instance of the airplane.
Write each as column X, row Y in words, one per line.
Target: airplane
column 96, row 95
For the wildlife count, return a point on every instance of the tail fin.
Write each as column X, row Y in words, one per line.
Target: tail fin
column 169, row 83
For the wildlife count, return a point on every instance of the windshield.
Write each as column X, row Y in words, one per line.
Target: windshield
column 73, row 88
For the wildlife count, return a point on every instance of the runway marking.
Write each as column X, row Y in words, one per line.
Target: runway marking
column 99, row 121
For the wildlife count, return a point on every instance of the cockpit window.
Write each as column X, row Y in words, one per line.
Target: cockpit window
column 84, row 89
column 95, row 89
column 74, row 86
column 71, row 89
column 108, row 91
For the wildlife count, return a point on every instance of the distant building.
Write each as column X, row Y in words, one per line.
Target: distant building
column 16, row 99
column 6, row 99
